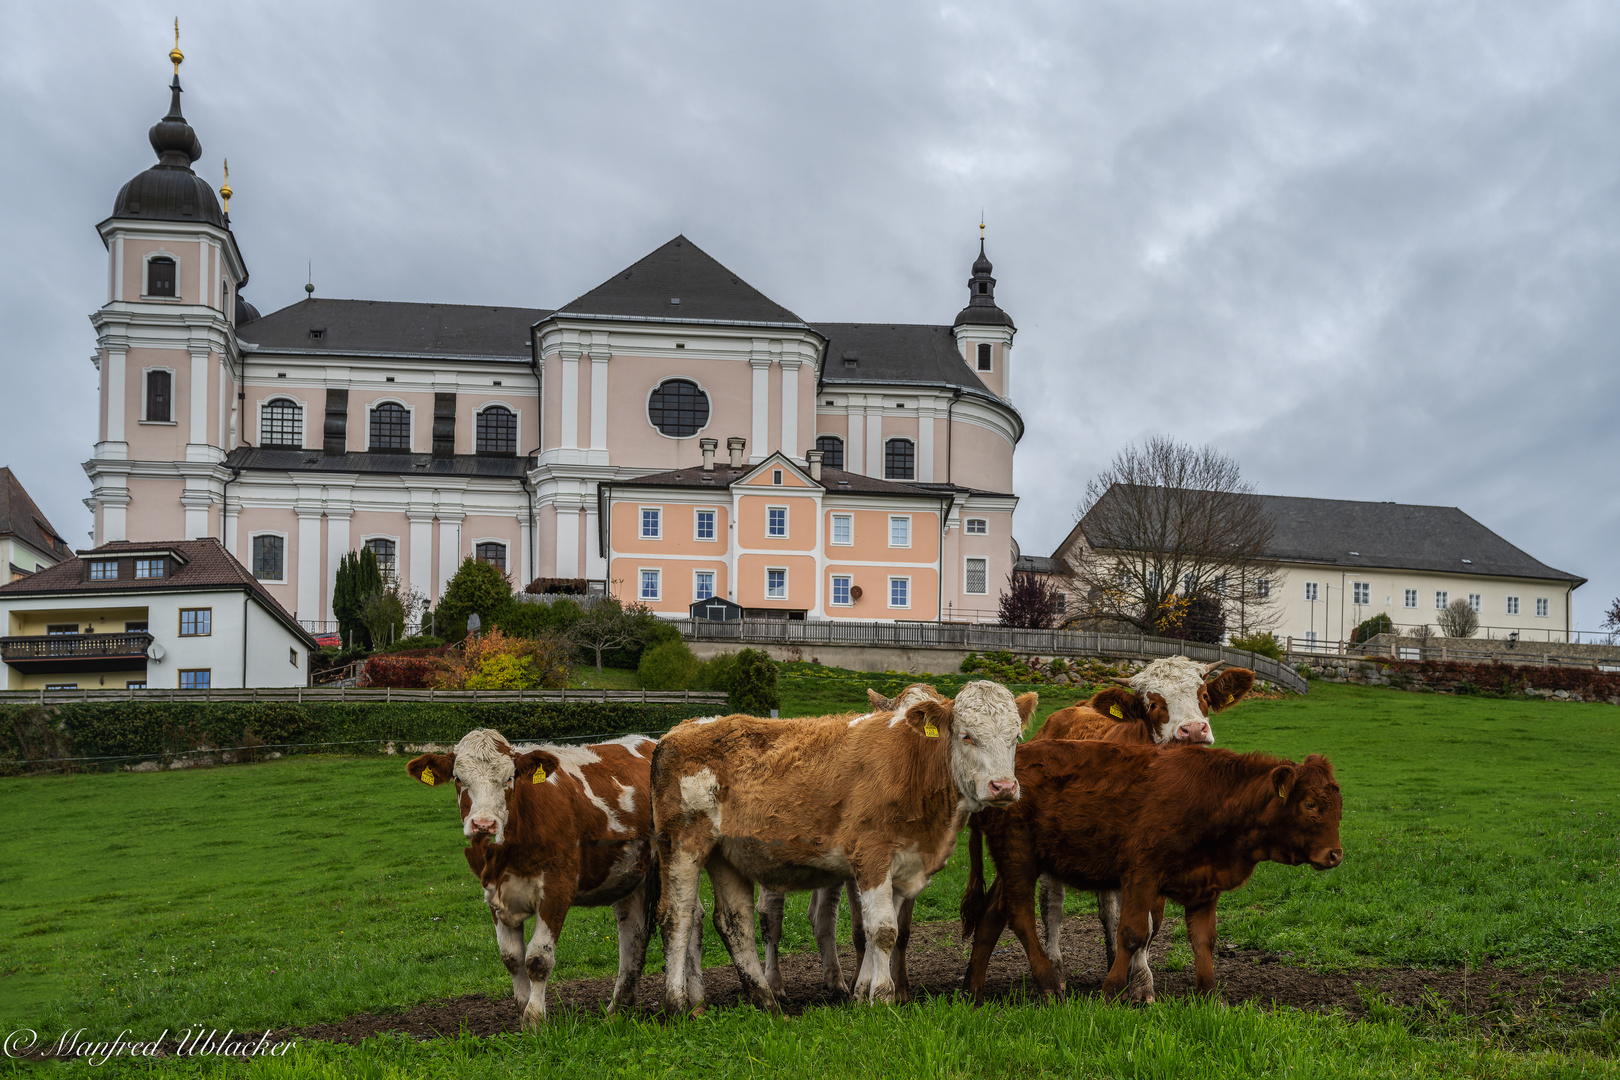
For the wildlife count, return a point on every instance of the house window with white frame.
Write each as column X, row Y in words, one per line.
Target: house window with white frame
column 1476, row 602
column 1411, row 598
column 899, row 592
column 1543, row 607
column 776, row 584
column 840, row 590
column 492, row 552
column 900, row 532
column 650, row 585
column 1310, row 590
column 705, row 524
column 1361, row 592
column 1513, row 605
column 978, row 527
column 269, row 557
column 1441, row 599
column 776, row 521
column 386, row 553
column 652, row 523
column 281, row 423
column 977, row 576
column 843, row 529
column 703, row 585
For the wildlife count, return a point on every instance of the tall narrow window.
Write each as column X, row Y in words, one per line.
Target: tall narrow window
column 1513, row 605
column 900, row 532
column 1262, row 588
column 899, row 459
column 1411, row 598
column 1441, row 599
column 984, row 357
column 776, row 521
column 1543, row 607
column 840, row 590
column 282, row 424
column 159, row 396
column 776, row 584
column 705, row 524
column 492, row 552
column 1310, row 590
column 976, row 576
column 832, row 451
column 899, row 592
column 390, row 427
column 387, row 557
column 497, row 431
column 703, row 585
column 650, row 584
column 160, row 276
column 1476, row 602
column 843, row 528
column 1363, row 592
column 652, row 523
column 269, row 558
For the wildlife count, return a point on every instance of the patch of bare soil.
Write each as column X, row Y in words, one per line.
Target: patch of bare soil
column 938, row 960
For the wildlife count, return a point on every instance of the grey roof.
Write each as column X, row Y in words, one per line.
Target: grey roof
column 382, row 326
column 21, row 518
column 1037, row 564
column 169, row 190
column 363, row 461
column 901, row 353
column 680, row 270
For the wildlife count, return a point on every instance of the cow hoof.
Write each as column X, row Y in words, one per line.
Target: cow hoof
column 533, row 1021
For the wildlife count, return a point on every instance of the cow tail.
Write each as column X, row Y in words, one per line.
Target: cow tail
column 973, row 903
column 653, row 887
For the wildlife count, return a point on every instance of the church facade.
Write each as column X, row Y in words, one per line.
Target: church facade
column 672, row 433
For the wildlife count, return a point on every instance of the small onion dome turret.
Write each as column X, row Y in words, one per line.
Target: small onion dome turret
column 982, row 309
column 245, row 312
column 169, row 190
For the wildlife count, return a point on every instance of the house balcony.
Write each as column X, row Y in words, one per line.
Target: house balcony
column 50, row 654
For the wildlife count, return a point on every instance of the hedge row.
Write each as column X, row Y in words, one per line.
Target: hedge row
column 138, row 729
column 1453, row 676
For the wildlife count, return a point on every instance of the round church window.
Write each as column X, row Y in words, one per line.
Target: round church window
column 678, row 408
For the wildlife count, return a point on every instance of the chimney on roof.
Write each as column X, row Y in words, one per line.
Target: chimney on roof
column 708, row 446
column 814, row 458
column 736, row 444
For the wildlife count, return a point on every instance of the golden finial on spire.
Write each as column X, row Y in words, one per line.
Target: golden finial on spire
column 225, row 188
column 175, row 55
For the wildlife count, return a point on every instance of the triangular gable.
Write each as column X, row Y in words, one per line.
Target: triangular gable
column 794, row 475
column 680, row 271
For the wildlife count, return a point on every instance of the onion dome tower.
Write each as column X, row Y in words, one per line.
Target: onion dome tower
column 983, row 331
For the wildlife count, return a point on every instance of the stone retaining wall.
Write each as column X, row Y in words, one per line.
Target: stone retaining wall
column 1452, row 677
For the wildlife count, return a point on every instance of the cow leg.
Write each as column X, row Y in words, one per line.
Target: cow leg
column 769, row 910
column 1018, row 900
column 694, row 956
column 509, row 938
column 1135, row 931
column 883, row 932
column 541, row 954
column 734, row 918
column 1201, row 935
column 1051, row 905
column 985, row 936
column 1108, row 914
column 857, row 926
column 634, row 929
column 824, row 922
column 897, row 960
column 1140, row 985
column 682, row 917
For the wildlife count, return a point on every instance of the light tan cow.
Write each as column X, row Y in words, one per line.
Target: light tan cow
column 878, row 797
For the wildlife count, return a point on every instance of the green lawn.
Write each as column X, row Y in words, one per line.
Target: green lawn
column 314, row 888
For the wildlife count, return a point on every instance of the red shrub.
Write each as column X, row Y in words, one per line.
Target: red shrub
column 401, row 672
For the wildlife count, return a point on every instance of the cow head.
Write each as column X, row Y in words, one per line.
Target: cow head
column 487, row 772
column 981, row 727
column 904, row 700
column 1174, row 697
column 1304, row 807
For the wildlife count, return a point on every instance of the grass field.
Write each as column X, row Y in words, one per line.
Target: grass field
column 315, row 888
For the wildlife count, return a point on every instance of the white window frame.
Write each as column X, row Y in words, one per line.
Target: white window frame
column 657, row 573
column 641, row 522
column 697, row 534
column 982, row 530
column 146, row 276
column 1362, row 593
column 892, row 579
column 286, row 555
column 714, row 577
column 1543, row 608
column 174, row 394
column 1476, row 602
column 95, row 563
column 1311, row 592
column 769, row 570
column 786, row 517
column 1411, row 598
column 900, row 517
column 1513, row 605
column 832, row 590
column 833, row 532
column 1442, row 599
column 517, row 420
column 966, row 588
column 303, row 418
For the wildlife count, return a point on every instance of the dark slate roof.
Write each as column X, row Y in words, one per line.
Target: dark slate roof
column 723, row 476
column 21, row 518
column 890, row 353
column 680, row 270
column 205, row 564
column 169, row 190
column 380, row 326
column 1037, row 564
column 362, row 461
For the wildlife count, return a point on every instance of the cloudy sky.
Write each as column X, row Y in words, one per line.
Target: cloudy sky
column 1372, row 250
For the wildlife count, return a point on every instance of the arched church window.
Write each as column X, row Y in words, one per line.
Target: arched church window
column 678, row 408
column 497, row 431
column 160, row 276
column 390, row 427
column 283, row 424
column 899, row 459
column 832, row 451
column 387, row 553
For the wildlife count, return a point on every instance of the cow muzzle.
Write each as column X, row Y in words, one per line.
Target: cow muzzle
column 481, row 826
column 1195, row 732
column 1002, row 792
column 1328, row 859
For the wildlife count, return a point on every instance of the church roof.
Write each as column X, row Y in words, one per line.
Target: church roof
column 680, row 281
column 350, row 327
column 903, row 353
column 169, row 190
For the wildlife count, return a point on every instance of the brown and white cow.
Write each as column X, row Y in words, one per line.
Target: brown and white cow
column 1167, row 703
column 1188, row 823
column 553, row 827
column 878, row 798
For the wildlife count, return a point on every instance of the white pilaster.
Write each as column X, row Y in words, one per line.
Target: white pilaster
column 449, row 548
column 790, row 406
column 570, row 401
column 762, row 409
column 113, row 372
column 118, row 267
column 595, row 565
column 337, row 546
column 567, row 542
column 874, row 441
column 196, row 504
column 925, row 446
column 113, row 517
column 599, row 402
column 421, row 569
column 854, row 441
column 199, row 399
column 309, row 561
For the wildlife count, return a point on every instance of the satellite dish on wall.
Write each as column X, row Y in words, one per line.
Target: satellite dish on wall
column 154, row 652
column 854, row 592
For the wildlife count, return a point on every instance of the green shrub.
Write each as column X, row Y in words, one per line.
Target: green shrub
column 753, row 684
column 716, row 673
column 1265, row 644
column 1378, row 624
column 669, row 665
column 650, row 630
column 532, row 620
column 476, row 587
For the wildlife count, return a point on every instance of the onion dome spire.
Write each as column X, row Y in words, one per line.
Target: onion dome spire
column 982, row 309
column 169, row 190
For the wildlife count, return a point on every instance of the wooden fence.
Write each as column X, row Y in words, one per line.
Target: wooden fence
column 350, row 693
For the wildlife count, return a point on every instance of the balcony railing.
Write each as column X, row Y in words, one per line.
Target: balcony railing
column 76, row 652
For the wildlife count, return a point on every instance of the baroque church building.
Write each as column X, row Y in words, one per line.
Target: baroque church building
column 672, row 433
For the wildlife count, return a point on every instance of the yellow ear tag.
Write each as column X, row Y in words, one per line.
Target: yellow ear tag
column 427, row 776
column 930, row 730
column 539, row 775
column 1230, row 698
column 1281, row 794
column 1113, row 710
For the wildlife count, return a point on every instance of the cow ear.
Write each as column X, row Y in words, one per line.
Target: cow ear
column 1026, row 705
column 1120, row 704
column 535, row 766
column 879, row 702
column 432, row 769
column 929, row 718
column 1226, row 688
column 1282, row 781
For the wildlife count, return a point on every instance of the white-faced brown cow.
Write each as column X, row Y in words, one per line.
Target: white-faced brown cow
column 809, row 804
column 1167, row 703
column 554, row 827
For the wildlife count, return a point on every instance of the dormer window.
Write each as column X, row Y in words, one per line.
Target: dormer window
column 160, row 276
column 104, row 571
column 317, row 333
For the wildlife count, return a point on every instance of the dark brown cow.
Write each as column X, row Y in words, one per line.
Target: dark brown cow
column 554, row 827
column 878, row 798
column 1186, row 823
